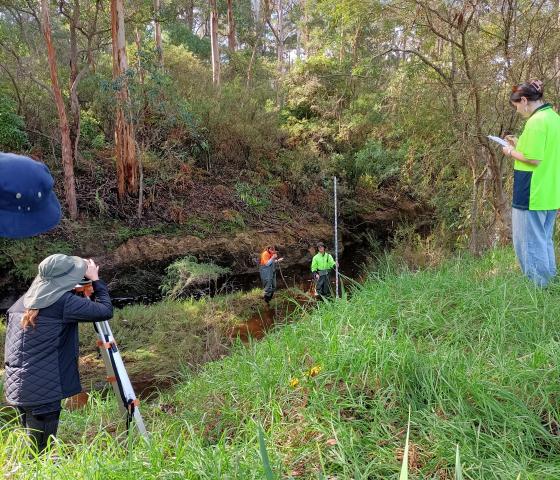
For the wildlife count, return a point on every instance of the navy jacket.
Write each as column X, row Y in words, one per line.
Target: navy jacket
column 41, row 363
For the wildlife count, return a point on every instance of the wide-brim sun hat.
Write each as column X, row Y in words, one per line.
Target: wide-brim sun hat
column 28, row 204
column 58, row 274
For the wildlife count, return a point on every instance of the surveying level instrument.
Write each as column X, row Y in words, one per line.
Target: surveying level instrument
column 116, row 372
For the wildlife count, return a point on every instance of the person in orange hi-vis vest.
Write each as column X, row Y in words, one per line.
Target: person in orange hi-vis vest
column 267, row 270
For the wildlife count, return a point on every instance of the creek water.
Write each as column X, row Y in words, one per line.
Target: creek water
column 267, row 317
column 352, row 269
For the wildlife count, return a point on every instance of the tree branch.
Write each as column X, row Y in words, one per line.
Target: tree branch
column 16, row 89
column 426, row 61
column 269, row 23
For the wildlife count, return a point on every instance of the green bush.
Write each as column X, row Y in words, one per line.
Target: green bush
column 91, row 133
column 376, row 161
column 322, row 112
column 240, row 132
column 186, row 273
column 181, row 35
column 21, row 257
column 256, row 197
column 13, row 137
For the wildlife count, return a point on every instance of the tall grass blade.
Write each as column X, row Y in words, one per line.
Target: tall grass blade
column 458, row 468
column 404, row 467
column 264, row 456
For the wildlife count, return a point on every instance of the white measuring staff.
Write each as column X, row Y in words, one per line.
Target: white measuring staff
column 336, row 237
column 118, row 377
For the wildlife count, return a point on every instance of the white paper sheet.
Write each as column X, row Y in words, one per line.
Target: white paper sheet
column 499, row 140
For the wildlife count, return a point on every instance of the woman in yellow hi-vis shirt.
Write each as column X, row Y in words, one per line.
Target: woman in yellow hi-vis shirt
column 536, row 182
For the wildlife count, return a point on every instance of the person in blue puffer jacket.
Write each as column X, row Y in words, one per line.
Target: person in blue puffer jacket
column 42, row 349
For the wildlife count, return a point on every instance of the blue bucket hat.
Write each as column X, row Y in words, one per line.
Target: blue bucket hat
column 28, row 205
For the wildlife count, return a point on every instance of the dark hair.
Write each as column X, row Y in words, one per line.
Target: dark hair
column 532, row 91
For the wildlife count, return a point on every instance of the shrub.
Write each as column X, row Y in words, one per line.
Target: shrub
column 91, row 133
column 254, row 196
column 378, row 162
column 12, row 127
column 21, row 257
column 181, row 35
column 186, row 273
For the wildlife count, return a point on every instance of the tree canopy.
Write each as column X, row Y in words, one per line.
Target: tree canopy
column 374, row 91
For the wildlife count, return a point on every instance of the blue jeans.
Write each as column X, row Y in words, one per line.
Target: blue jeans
column 532, row 232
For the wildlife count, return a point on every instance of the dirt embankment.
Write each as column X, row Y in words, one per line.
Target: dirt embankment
column 138, row 264
column 381, row 212
column 238, row 251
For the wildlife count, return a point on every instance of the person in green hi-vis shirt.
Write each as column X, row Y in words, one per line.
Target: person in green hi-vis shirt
column 536, row 182
column 321, row 267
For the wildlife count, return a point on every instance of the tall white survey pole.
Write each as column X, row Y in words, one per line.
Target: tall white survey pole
column 336, row 237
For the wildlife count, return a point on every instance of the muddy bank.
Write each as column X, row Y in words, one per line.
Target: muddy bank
column 137, row 266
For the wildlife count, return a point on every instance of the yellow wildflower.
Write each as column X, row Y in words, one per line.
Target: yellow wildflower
column 314, row 371
column 294, row 382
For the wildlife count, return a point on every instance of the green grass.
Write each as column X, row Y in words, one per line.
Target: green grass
column 471, row 348
column 161, row 340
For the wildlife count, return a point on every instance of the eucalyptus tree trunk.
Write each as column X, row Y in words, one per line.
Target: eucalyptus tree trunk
column 75, row 77
column 260, row 21
column 125, row 144
column 214, row 43
column 74, row 101
column 67, row 158
column 280, row 53
column 159, row 48
column 305, row 32
column 189, row 14
column 278, row 33
column 140, row 69
column 232, row 44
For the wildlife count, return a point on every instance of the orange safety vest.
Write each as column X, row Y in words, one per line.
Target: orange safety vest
column 265, row 257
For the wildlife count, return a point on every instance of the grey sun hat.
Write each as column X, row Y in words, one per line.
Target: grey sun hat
column 58, row 274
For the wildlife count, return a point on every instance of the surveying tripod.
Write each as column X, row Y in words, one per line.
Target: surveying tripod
column 116, row 372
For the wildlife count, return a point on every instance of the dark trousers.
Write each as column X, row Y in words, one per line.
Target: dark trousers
column 323, row 286
column 40, row 422
column 268, row 279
